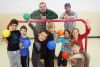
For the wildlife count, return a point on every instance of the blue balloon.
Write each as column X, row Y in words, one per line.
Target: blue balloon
column 26, row 43
column 51, row 45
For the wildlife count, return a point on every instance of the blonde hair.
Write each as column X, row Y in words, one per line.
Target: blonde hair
column 50, row 25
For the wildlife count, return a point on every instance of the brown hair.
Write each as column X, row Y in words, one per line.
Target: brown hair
column 42, row 3
column 23, row 27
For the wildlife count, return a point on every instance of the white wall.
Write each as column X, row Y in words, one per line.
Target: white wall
column 57, row 5
column 86, row 9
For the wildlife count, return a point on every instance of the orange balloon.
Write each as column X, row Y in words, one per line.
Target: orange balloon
column 65, row 54
column 60, row 32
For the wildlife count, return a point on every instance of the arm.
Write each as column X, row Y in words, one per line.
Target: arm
column 74, row 15
column 62, row 16
column 35, row 15
column 51, row 15
column 33, row 28
column 87, row 30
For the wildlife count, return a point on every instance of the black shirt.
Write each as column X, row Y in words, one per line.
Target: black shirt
column 13, row 41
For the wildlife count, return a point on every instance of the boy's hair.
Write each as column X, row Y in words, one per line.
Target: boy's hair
column 13, row 21
column 44, row 31
column 50, row 25
column 74, row 42
column 23, row 27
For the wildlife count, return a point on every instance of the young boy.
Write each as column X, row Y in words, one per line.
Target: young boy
column 50, row 54
column 77, row 59
column 39, row 41
column 13, row 48
column 24, row 50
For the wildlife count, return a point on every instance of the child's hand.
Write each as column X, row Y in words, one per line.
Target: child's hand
column 41, row 61
column 76, row 56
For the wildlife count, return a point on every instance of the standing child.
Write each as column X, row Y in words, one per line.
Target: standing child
column 13, row 48
column 50, row 54
column 39, row 41
column 24, row 50
column 79, row 37
column 65, row 47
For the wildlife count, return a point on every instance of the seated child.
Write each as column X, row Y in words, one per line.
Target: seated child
column 77, row 59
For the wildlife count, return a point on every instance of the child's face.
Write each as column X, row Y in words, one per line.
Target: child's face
column 51, row 30
column 75, row 49
column 42, row 36
column 13, row 26
column 23, row 32
column 75, row 33
column 66, row 34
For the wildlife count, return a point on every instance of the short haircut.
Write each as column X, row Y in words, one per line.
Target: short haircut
column 43, row 3
column 50, row 25
column 23, row 27
column 43, row 31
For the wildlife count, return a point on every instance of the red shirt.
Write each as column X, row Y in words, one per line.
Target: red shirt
column 82, row 36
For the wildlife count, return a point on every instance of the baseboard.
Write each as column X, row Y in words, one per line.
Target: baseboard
column 93, row 36
column 88, row 37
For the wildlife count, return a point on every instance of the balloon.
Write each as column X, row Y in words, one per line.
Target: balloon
column 26, row 43
column 26, row 16
column 65, row 54
column 6, row 33
column 51, row 45
column 60, row 32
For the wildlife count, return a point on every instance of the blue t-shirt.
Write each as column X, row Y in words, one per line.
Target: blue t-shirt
column 24, row 50
column 65, row 44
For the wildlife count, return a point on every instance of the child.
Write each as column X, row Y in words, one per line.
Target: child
column 50, row 54
column 77, row 59
column 65, row 47
column 24, row 50
column 39, row 41
column 13, row 48
column 79, row 37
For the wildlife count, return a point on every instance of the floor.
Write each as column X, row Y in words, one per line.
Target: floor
column 93, row 50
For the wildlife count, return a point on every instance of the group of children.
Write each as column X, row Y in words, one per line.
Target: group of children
column 42, row 56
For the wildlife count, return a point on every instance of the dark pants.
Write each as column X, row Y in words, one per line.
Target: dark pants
column 35, row 59
column 25, row 61
column 49, row 58
column 61, row 61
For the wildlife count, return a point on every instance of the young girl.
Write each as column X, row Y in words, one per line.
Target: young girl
column 24, row 47
column 65, row 47
column 79, row 37
column 39, row 41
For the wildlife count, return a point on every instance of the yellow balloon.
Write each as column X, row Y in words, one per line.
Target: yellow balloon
column 6, row 33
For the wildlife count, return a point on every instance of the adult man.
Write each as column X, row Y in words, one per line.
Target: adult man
column 43, row 13
column 68, row 14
